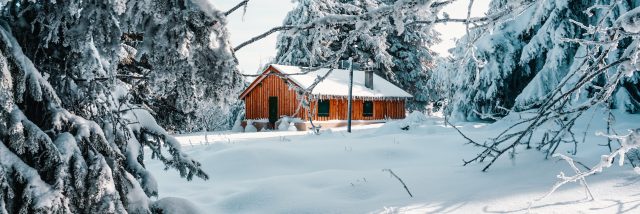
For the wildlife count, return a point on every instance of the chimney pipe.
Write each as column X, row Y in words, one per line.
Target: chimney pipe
column 344, row 64
column 368, row 79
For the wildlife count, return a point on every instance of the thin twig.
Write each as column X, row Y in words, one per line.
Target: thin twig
column 399, row 179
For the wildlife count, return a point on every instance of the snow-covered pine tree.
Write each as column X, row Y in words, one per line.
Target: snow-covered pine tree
column 611, row 63
column 178, row 59
column 192, row 76
column 397, row 52
column 297, row 48
column 413, row 61
column 627, row 95
column 518, row 62
column 545, row 81
column 318, row 46
column 509, row 55
column 603, row 65
column 71, row 132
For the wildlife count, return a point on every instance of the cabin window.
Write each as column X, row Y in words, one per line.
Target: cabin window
column 367, row 108
column 323, row 108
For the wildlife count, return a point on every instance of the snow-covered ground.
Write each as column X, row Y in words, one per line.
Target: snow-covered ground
column 339, row 172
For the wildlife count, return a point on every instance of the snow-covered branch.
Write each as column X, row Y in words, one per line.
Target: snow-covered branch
column 242, row 3
column 372, row 17
column 628, row 142
column 265, row 34
column 555, row 112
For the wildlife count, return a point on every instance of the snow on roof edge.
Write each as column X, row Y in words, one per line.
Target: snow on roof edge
column 336, row 84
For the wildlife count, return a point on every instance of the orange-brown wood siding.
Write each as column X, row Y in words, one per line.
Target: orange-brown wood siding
column 382, row 109
column 257, row 101
column 257, row 104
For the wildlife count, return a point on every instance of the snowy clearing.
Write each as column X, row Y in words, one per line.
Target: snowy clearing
column 338, row 172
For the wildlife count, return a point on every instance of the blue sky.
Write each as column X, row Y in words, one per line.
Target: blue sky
column 262, row 15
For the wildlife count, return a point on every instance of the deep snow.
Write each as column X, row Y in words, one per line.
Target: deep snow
column 338, row 172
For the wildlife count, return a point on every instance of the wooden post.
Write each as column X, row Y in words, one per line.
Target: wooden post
column 349, row 106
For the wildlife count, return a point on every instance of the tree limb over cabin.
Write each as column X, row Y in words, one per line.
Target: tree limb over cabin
column 321, row 95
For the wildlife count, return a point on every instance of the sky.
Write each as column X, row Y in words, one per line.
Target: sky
column 263, row 15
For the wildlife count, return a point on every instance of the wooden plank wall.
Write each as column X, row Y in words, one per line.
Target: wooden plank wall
column 382, row 109
column 257, row 101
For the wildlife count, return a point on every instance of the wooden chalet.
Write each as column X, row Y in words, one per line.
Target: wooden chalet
column 275, row 93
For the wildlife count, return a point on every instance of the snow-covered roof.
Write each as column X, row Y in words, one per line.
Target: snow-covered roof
column 337, row 83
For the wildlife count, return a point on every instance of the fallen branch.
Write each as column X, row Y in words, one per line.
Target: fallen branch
column 399, row 179
column 628, row 143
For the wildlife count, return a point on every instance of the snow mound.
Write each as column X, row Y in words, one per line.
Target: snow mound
column 283, row 124
column 250, row 127
column 630, row 21
column 414, row 119
column 174, row 205
column 237, row 125
column 287, row 123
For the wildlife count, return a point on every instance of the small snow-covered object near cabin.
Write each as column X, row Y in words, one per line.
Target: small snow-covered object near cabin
column 283, row 124
column 280, row 88
column 237, row 125
column 250, row 127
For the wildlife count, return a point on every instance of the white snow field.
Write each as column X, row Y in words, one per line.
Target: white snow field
column 339, row 172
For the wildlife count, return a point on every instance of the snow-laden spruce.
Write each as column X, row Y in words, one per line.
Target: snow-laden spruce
column 174, row 57
column 389, row 45
column 186, row 56
column 78, row 99
column 505, row 58
column 518, row 61
column 600, row 73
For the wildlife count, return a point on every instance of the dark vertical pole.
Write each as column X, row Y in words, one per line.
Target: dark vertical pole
column 349, row 107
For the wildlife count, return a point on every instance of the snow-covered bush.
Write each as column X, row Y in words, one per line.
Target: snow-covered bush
column 288, row 123
column 237, row 125
column 283, row 124
column 414, row 119
column 250, row 127
column 173, row 205
column 628, row 143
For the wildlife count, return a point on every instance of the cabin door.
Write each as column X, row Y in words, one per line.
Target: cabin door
column 273, row 110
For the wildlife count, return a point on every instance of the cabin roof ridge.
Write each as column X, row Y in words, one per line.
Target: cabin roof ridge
column 335, row 84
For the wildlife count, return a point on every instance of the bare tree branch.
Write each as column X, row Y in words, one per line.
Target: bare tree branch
column 242, row 3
